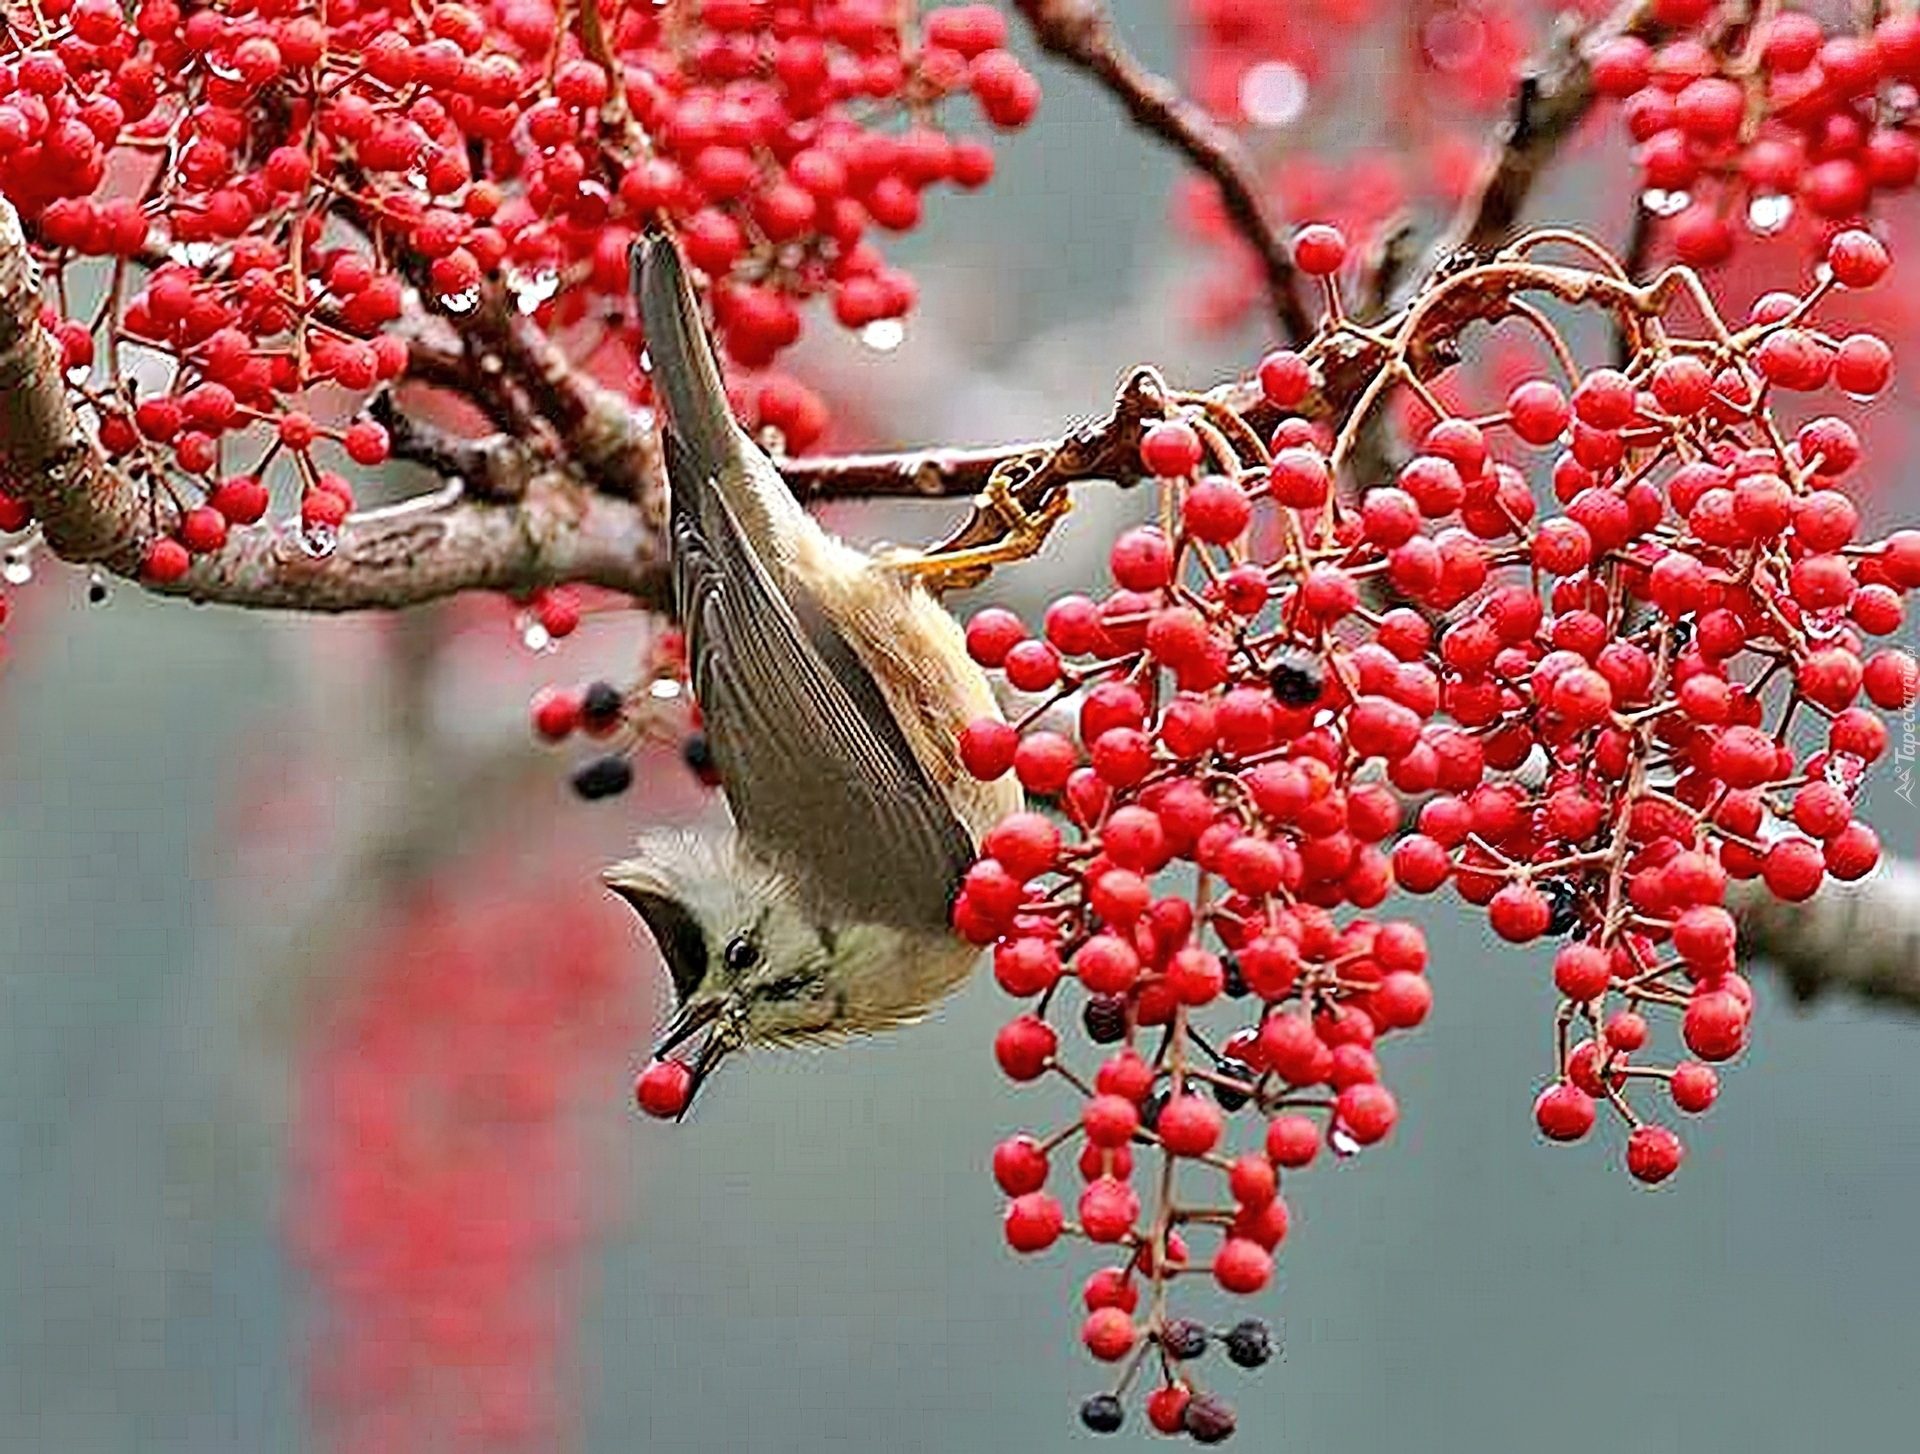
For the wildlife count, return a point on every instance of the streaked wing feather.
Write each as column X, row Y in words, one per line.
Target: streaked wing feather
column 818, row 773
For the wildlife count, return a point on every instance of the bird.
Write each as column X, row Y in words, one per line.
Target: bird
column 832, row 688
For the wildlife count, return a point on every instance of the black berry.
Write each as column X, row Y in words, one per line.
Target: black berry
column 1236, row 981
column 1563, row 905
column 1102, row 1413
column 1105, row 1017
column 1209, row 1420
column 601, row 704
column 604, row 777
column 1296, row 679
column 1183, row 1338
column 1232, row 1098
column 1250, row 1343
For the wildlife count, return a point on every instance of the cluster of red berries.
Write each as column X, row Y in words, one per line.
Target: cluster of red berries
column 444, row 1202
column 1262, row 68
column 1739, row 123
column 255, row 192
column 1607, row 712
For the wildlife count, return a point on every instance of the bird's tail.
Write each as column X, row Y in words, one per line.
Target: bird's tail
column 686, row 375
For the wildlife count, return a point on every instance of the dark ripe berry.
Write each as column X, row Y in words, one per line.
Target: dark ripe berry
column 697, row 753
column 1563, row 905
column 1150, row 1110
column 1249, row 1343
column 1231, row 1098
column 600, row 705
column 1105, row 1017
column 1103, row 1414
column 1296, row 679
column 1236, row 982
column 1183, row 1338
column 1209, row 1420
column 604, row 777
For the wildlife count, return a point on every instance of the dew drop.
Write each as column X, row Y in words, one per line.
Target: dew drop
column 318, row 539
column 884, row 335
column 1343, row 1143
column 16, row 569
column 463, row 301
column 530, row 290
column 1664, row 204
column 193, row 254
column 1768, row 212
column 1272, row 93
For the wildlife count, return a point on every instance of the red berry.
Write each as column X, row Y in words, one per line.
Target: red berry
column 556, row 713
column 1034, row 1222
column 1519, row 913
column 664, row 1088
column 1319, row 249
column 1024, row 1047
column 1564, row 1112
column 1107, row 1332
column 1171, row 449
column 1653, row 1153
column 1858, row 259
column 1019, row 1165
column 1242, row 1265
column 1367, row 1111
column 165, row 562
column 1694, row 1086
column 1190, row 1125
column 992, row 633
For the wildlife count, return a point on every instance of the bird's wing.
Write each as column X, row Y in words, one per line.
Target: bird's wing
column 817, row 771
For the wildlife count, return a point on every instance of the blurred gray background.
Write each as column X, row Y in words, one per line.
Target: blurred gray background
column 813, row 1261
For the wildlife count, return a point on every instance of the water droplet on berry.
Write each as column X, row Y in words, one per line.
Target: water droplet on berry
column 463, row 301
column 1768, row 212
column 16, row 569
column 318, row 539
column 533, row 635
column 1343, row 1143
column 1664, row 204
column 884, row 335
column 530, row 290
column 1846, row 771
column 193, row 254
column 1273, row 93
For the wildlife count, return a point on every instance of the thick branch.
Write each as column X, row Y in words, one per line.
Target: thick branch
column 438, row 546
column 1081, row 33
column 1548, row 106
column 1860, row 937
column 87, row 511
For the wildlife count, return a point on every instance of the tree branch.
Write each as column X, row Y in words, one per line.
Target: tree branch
column 1081, row 33
column 439, row 545
column 1862, row 937
column 1549, row 104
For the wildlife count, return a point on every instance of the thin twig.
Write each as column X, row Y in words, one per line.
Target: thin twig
column 1081, row 33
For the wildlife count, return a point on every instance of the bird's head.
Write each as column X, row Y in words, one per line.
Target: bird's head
column 751, row 965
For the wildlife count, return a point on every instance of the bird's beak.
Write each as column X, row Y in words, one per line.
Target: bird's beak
column 725, row 1036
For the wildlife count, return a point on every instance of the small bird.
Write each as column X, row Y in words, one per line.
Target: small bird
column 833, row 689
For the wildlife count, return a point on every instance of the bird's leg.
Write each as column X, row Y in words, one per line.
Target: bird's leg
column 1024, row 531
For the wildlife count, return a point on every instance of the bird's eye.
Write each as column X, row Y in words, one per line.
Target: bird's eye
column 742, row 953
